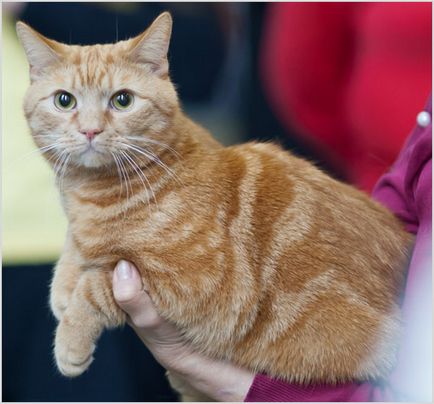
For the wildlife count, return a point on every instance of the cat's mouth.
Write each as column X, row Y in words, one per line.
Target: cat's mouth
column 91, row 149
column 91, row 156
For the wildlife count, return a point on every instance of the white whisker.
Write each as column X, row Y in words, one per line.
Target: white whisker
column 127, row 160
column 63, row 172
column 58, row 160
column 141, row 176
column 119, row 173
column 42, row 150
column 59, row 166
column 156, row 142
column 152, row 157
column 126, row 176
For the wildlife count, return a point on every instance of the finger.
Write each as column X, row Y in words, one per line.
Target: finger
column 132, row 298
column 127, row 283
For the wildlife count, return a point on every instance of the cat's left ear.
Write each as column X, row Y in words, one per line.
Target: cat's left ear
column 151, row 46
column 41, row 52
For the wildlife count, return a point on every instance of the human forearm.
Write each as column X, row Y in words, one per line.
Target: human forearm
column 218, row 380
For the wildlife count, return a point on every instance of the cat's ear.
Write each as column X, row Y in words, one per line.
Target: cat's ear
column 151, row 46
column 41, row 52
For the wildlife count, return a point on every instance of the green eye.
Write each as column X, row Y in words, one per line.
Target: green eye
column 122, row 100
column 64, row 101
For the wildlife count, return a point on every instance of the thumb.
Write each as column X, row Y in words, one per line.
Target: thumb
column 126, row 282
column 131, row 297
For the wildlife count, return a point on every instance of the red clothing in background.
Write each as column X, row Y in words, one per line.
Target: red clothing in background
column 349, row 78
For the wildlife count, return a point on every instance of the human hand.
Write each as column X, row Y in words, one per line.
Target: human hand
column 161, row 337
column 220, row 381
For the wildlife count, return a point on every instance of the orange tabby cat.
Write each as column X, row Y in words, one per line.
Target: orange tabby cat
column 256, row 255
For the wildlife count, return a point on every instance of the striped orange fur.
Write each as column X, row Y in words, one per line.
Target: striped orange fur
column 256, row 255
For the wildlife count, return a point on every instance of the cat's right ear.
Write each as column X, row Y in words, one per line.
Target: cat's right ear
column 151, row 46
column 41, row 52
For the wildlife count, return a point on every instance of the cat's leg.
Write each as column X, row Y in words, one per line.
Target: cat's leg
column 185, row 391
column 91, row 309
column 65, row 278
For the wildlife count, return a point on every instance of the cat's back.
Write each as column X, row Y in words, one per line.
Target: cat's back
column 279, row 177
column 297, row 210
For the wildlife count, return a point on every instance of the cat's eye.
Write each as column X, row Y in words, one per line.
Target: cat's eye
column 64, row 101
column 122, row 100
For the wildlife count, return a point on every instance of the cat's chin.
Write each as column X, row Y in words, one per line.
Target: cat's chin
column 92, row 159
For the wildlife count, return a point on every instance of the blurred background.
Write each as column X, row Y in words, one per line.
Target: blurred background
column 337, row 83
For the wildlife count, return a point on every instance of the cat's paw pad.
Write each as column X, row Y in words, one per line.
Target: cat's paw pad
column 73, row 355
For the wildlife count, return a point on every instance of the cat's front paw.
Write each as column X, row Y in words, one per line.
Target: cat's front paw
column 73, row 352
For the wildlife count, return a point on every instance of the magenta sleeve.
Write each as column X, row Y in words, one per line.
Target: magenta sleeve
column 266, row 389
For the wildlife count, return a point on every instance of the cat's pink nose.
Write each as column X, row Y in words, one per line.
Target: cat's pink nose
column 90, row 133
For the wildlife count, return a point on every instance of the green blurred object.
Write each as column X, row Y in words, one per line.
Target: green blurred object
column 33, row 223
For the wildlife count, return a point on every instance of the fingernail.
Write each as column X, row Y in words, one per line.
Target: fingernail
column 124, row 271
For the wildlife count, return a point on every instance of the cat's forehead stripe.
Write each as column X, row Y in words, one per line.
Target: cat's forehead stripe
column 92, row 75
column 94, row 54
column 91, row 64
column 100, row 66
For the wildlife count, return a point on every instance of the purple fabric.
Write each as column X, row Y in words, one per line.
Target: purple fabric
column 406, row 190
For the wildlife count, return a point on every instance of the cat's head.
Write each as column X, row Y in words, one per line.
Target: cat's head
column 91, row 103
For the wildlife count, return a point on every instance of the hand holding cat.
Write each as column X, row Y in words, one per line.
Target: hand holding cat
column 216, row 380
